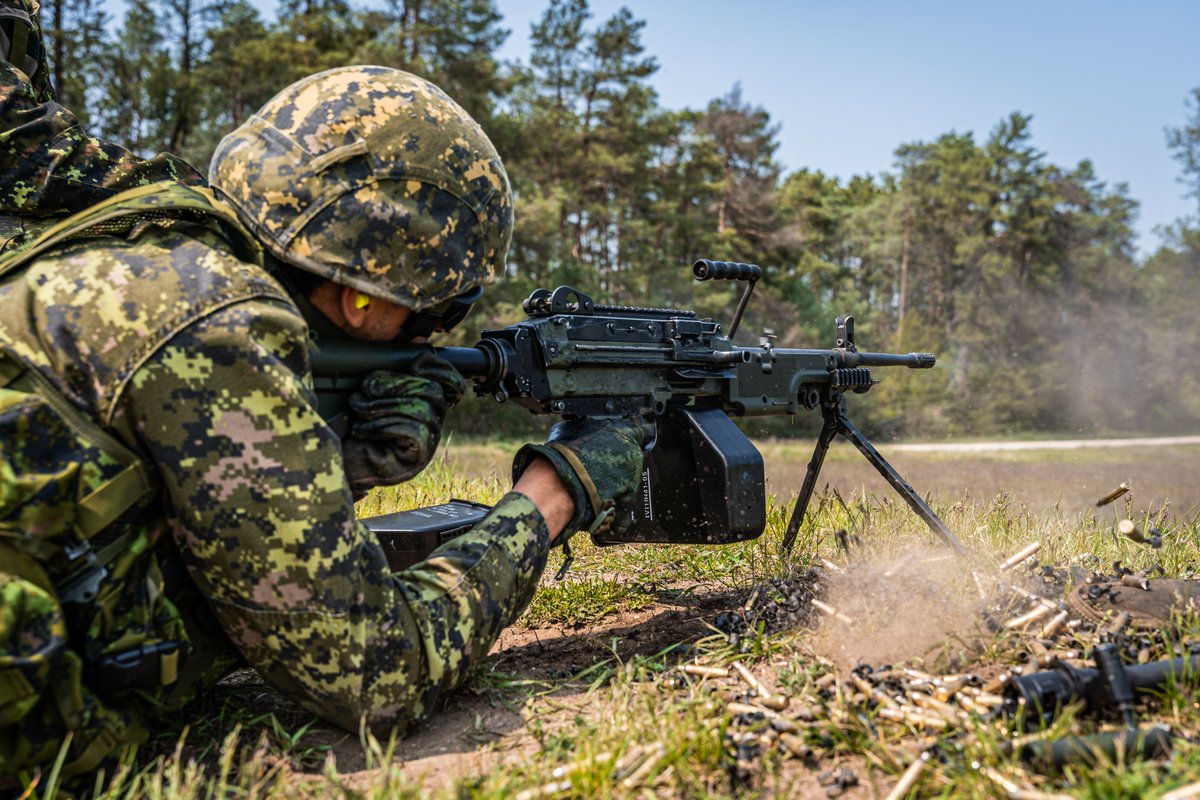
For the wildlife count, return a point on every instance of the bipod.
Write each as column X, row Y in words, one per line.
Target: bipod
column 837, row 423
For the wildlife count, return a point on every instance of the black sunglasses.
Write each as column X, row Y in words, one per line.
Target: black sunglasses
column 445, row 316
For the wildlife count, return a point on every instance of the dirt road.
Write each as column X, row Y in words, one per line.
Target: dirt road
column 1049, row 444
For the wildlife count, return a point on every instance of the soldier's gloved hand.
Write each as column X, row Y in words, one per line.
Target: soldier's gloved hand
column 599, row 462
column 397, row 422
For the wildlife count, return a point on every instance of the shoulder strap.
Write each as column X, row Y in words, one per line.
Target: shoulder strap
column 105, row 504
column 121, row 212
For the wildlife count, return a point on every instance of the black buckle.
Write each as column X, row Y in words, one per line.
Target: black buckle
column 139, row 668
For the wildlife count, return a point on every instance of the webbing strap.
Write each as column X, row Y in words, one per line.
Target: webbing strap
column 20, row 43
column 14, row 686
column 102, row 507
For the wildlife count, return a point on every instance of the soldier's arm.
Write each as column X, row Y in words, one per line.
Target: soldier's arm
column 52, row 167
column 266, row 525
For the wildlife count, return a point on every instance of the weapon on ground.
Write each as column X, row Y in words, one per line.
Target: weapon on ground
column 1111, row 686
column 703, row 480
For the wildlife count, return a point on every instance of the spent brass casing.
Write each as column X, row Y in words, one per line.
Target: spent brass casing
column 701, row 671
column 1129, row 529
column 1115, row 494
column 1039, row 613
column 1020, row 556
column 639, row 775
column 795, row 745
column 1119, row 623
column 829, row 610
column 1135, row 581
column 1055, row 625
column 913, row 717
column 909, row 778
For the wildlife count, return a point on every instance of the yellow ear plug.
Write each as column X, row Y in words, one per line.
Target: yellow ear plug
column 362, row 301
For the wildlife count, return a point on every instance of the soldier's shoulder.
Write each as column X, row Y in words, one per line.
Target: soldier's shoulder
column 102, row 306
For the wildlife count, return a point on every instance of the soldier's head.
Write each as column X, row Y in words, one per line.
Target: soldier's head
column 378, row 184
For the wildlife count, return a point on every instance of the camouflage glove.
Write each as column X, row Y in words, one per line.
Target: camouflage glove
column 397, row 422
column 598, row 460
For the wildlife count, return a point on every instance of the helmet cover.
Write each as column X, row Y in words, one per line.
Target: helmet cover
column 375, row 179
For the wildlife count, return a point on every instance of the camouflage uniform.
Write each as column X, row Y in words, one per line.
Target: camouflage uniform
column 169, row 336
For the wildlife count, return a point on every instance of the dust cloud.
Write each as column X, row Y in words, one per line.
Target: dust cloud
column 918, row 606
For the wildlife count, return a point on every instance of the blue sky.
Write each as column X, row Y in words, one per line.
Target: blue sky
column 850, row 81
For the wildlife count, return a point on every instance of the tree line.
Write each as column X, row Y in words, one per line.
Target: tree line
column 1019, row 272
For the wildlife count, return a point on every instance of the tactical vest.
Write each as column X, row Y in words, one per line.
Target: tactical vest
column 89, row 634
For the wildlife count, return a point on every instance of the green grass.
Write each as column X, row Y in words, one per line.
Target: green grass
column 631, row 725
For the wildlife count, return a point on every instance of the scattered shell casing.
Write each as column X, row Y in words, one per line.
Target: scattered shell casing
column 1020, row 556
column 631, row 757
column 1119, row 623
column 872, row 692
column 997, row 683
column 989, row 700
column 639, row 775
column 545, row 790
column 948, row 712
column 1039, row 613
column 795, row 745
column 1129, row 529
column 909, row 778
column 1047, row 660
column 827, row 680
column 765, row 697
column 783, row 725
column 1115, row 494
column 829, row 565
column 825, row 608
column 1136, row 581
column 1055, row 625
column 1017, row 792
column 702, row 671
column 918, row 718
column 969, row 705
column 753, row 597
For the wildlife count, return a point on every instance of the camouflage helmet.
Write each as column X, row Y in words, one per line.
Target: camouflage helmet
column 372, row 178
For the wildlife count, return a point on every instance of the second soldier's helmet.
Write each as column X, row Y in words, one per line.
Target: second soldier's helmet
column 372, row 178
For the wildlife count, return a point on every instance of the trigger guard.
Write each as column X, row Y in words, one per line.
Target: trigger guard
column 649, row 433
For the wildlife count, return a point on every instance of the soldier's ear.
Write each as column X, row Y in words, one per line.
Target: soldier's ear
column 355, row 306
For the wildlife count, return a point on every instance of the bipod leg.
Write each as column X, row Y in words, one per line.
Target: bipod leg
column 828, row 431
column 904, row 488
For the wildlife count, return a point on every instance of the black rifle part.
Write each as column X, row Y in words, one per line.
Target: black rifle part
column 1112, row 747
column 1111, row 685
column 837, row 423
column 408, row 537
column 1043, row 695
column 704, row 480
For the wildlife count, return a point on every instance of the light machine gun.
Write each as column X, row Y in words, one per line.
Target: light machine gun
column 703, row 480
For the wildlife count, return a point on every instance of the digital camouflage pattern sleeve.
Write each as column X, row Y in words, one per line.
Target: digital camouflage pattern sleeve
column 266, row 524
column 53, row 168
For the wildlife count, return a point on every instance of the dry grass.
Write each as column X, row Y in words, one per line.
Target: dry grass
column 585, row 692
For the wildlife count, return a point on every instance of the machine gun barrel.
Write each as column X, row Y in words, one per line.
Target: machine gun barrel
column 910, row 360
column 356, row 360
